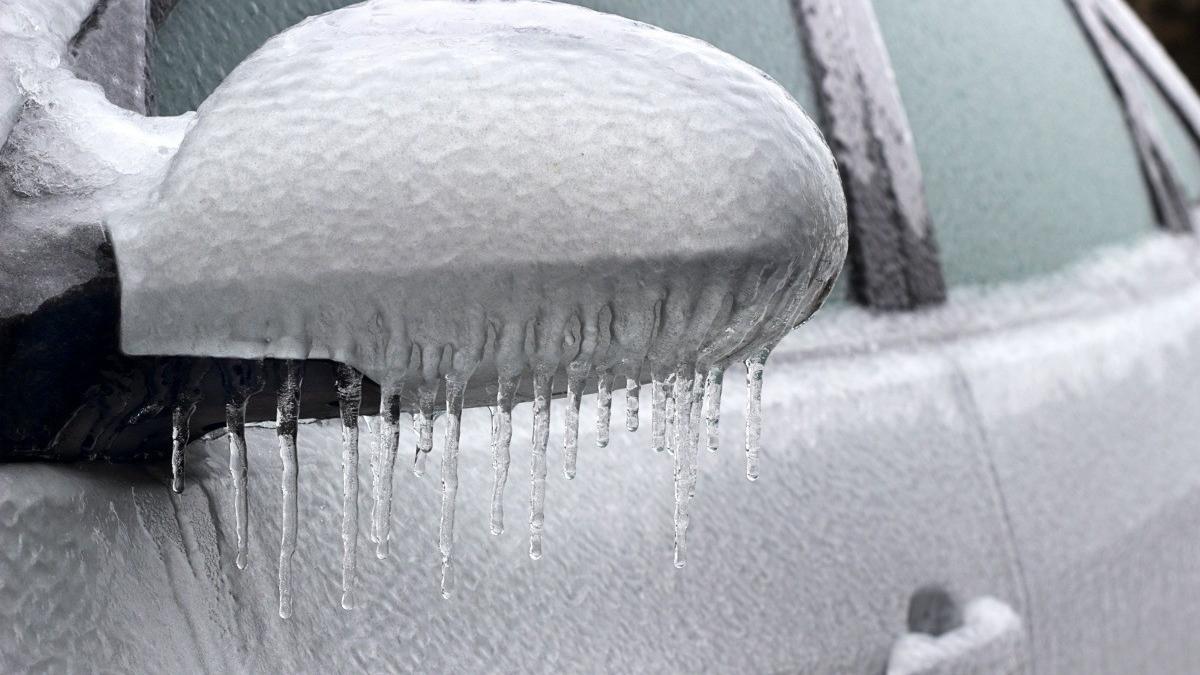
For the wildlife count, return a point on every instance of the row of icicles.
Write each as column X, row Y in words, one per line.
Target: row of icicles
column 682, row 402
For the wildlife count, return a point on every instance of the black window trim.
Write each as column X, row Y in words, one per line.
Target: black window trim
column 1125, row 46
column 894, row 262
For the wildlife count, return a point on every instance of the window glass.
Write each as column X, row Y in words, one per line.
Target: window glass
column 202, row 40
column 1027, row 158
column 764, row 33
column 1179, row 145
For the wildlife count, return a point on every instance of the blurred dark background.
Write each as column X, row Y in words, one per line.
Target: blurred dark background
column 1177, row 25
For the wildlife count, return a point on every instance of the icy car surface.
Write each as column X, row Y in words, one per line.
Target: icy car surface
column 1001, row 480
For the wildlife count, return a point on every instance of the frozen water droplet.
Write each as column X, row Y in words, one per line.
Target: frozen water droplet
column 712, row 406
column 633, row 390
column 501, row 444
column 181, row 416
column 542, row 379
column 423, row 424
column 604, row 383
column 348, row 383
column 454, row 406
column 685, row 459
column 754, row 379
column 287, row 409
column 576, row 376
column 383, row 468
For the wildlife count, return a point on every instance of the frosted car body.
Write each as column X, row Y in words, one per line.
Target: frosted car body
column 1028, row 445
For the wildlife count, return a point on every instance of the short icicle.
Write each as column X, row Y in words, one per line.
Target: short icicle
column 712, row 406
column 181, row 416
column 242, row 380
column 423, row 425
column 501, row 446
column 454, row 407
column 186, row 400
column 542, row 379
column 348, row 383
column 383, row 470
column 287, row 410
column 604, row 384
column 697, row 409
column 576, row 377
column 685, row 458
column 754, row 381
column 633, row 391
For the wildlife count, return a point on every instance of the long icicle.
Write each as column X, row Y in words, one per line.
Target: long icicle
column 348, row 383
column 543, row 377
column 712, row 406
column 754, row 381
column 671, row 408
column 576, row 377
column 604, row 383
column 454, row 407
column 658, row 411
column 383, row 471
column 287, row 409
column 684, row 460
column 235, row 428
column 423, row 425
column 501, row 446
column 633, row 390
column 241, row 379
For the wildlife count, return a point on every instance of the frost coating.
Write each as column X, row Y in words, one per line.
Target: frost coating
column 469, row 170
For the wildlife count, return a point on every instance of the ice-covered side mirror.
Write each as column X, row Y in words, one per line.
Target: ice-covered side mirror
column 464, row 201
column 423, row 190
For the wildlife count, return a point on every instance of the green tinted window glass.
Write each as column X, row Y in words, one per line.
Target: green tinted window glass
column 1027, row 158
column 764, row 33
column 1180, row 146
column 202, row 40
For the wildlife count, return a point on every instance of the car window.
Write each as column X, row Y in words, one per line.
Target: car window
column 1181, row 148
column 764, row 33
column 200, row 41
column 1028, row 161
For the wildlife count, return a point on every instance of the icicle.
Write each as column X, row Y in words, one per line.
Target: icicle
column 669, row 400
column 287, row 410
column 576, row 377
column 633, row 390
column 384, row 466
column 423, row 425
column 181, row 416
column 754, row 379
column 712, row 406
column 604, row 383
column 697, row 408
column 454, row 407
column 685, row 458
column 542, row 379
column 241, row 381
column 658, row 412
column 235, row 428
column 348, row 383
column 501, row 442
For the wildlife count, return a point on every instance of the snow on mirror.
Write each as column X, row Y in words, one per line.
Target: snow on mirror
column 464, row 202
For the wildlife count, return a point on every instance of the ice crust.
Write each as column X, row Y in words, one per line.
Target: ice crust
column 426, row 188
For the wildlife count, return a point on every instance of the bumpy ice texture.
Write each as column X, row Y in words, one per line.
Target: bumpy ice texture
column 446, row 188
